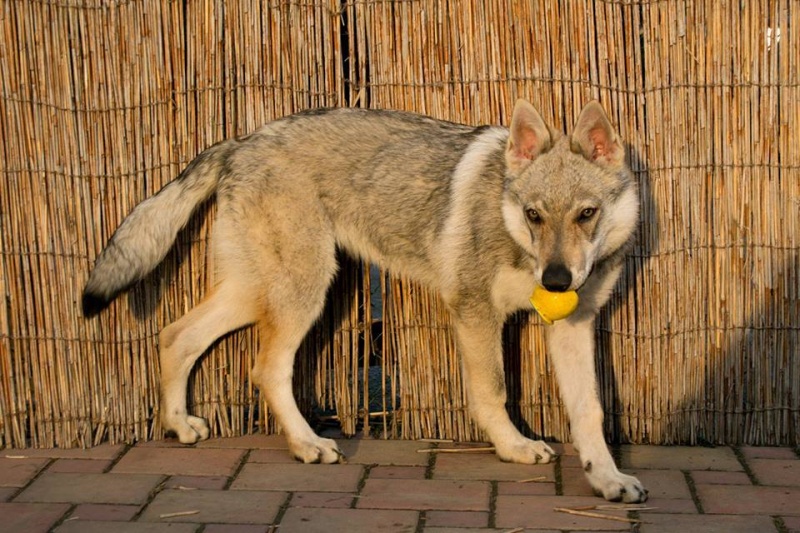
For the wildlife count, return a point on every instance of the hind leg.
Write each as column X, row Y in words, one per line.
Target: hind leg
column 294, row 301
column 182, row 343
column 281, row 332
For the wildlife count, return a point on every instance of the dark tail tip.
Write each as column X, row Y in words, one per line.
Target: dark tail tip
column 93, row 304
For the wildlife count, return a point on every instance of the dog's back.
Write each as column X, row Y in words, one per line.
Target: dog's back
column 379, row 181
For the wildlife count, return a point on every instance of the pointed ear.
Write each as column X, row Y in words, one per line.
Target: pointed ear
column 528, row 137
column 594, row 137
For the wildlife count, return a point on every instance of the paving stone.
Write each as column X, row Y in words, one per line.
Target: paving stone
column 18, row 472
column 79, row 526
column 480, row 530
column 215, row 506
column 196, row 482
column 745, row 500
column 662, row 484
column 91, row 488
column 425, row 494
column 398, row 472
column 183, row 461
column 169, row 442
column 300, row 520
column 711, row 477
column 103, row 451
column 487, row 467
column 574, row 482
column 526, row 489
column 768, row 452
column 460, row 446
column 249, row 442
column 236, row 528
column 80, row 465
column 336, row 500
column 299, row 477
column 7, row 492
column 456, row 519
column 792, row 523
column 106, row 513
column 679, row 458
column 384, row 452
column 521, row 511
column 30, row 517
column 571, row 461
column 777, row 472
column 670, row 523
column 271, row 456
column 672, row 505
column 455, row 501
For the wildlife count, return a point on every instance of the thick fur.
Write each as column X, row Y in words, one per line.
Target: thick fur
column 481, row 214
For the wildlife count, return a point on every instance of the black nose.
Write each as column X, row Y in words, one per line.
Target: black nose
column 556, row 278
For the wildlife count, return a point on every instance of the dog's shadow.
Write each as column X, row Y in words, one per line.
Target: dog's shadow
column 646, row 241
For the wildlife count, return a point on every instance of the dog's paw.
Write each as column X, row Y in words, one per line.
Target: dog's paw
column 525, row 451
column 189, row 429
column 618, row 487
column 317, row 450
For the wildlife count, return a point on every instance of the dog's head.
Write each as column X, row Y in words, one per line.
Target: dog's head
column 569, row 201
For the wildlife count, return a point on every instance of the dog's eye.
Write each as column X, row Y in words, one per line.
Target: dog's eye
column 533, row 215
column 587, row 214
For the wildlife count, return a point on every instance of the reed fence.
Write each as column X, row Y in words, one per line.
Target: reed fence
column 102, row 102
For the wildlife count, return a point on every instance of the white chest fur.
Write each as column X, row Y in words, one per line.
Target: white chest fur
column 512, row 289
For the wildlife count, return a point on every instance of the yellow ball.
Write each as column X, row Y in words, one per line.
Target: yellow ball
column 553, row 306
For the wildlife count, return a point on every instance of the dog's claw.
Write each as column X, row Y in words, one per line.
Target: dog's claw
column 317, row 450
column 189, row 429
column 619, row 487
column 526, row 451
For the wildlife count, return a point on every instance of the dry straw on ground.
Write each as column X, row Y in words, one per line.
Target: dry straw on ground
column 103, row 102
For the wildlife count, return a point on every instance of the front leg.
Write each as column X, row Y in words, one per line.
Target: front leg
column 480, row 344
column 570, row 343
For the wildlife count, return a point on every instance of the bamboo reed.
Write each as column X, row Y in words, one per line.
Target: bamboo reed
column 102, row 103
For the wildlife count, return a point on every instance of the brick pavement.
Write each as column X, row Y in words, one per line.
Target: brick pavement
column 251, row 485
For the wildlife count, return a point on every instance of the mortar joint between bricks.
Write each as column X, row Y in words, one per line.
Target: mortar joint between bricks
column 361, row 483
column 282, row 511
column 559, row 482
column 150, row 497
column 64, row 517
column 779, row 524
column 126, row 448
column 238, row 469
column 431, row 462
column 737, row 451
column 494, row 491
column 423, row 516
column 693, row 491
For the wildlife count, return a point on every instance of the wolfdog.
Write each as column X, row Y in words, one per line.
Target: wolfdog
column 482, row 214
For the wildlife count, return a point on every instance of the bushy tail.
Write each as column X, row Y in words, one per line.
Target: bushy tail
column 145, row 236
